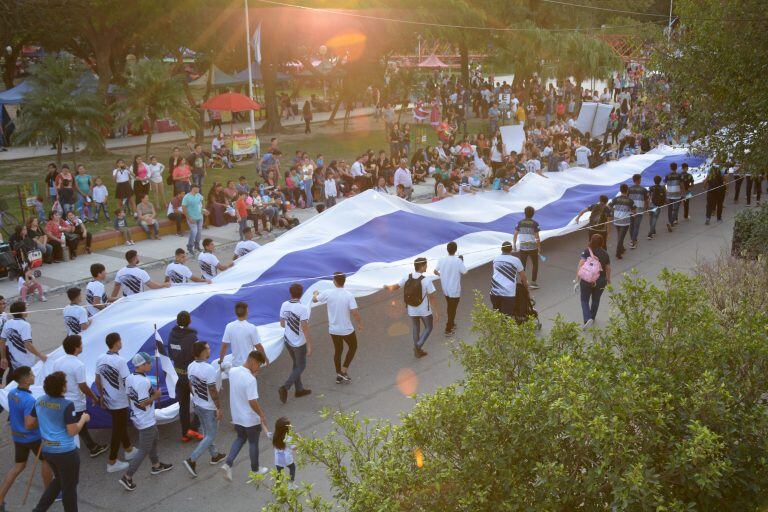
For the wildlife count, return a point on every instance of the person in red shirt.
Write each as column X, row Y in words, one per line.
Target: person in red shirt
column 55, row 228
column 241, row 208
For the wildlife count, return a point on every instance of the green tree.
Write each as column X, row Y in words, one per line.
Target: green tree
column 59, row 109
column 151, row 93
column 714, row 63
column 661, row 410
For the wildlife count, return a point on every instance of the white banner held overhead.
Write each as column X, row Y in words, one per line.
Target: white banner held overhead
column 513, row 137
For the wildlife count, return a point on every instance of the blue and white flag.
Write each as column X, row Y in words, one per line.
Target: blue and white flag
column 171, row 377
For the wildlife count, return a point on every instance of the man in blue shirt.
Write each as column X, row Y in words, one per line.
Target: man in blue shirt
column 24, row 431
column 192, row 207
column 58, row 428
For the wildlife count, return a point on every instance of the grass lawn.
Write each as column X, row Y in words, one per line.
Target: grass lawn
column 363, row 134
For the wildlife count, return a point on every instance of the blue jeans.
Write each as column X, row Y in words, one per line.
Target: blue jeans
column 672, row 210
column 197, row 179
column 634, row 226
column 299, row 358
column 420, row 338
column 250, row 434
column 653, row 217
column 241, row 225
column 195, row 233
column 590, row 293
column 210, row 428
column 100, row 207
column 308, row 193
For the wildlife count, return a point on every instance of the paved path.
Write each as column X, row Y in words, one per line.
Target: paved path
column 22, row 152
column 385, row 349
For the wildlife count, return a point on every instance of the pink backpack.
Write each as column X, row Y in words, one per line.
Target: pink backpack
column 590, row 270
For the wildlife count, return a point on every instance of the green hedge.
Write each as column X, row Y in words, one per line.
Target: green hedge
column 750, row 233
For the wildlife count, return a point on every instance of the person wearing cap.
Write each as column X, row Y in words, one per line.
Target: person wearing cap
column 425, row 311
column 141, row 399
column 507, row 272
column 24, row 430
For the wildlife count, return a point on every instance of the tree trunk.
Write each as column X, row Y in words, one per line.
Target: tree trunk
column 59, row 144
column 148, row 144
column 464, row 62
column 73, row 141
column 179, row 68
column 9, row 70
column 335, row 110
column 269, row 74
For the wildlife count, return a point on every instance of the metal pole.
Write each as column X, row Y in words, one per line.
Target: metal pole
column 248, row 52
column 669, row 28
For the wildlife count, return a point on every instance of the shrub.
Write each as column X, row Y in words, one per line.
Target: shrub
column 750, row 233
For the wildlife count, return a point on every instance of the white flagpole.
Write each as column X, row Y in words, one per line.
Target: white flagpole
column 250, row 72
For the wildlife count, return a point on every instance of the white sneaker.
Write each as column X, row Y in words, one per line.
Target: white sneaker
column 588, row 324
column 227, row 472
column 131, row 454
column 117, row 466
column 43, row 299
column 262, row 471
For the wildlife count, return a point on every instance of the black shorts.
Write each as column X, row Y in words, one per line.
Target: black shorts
column 24, row 449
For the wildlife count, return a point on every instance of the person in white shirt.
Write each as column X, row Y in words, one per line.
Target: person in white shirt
column 75, row 316
column 241, row 337
column 177, row 272
column 210, row 265
column 131, row 280
column 16, row 340
column 247, row 415
column 202, row 381
column 156, row 180
column 294, row 318
column 329, row 188
column 95, row 292
column 246, row 245
column 419, row 295
column 99, row 195
column 341, row 304
column 582, row 156
column 403, row 177
column 111, row 372
column 141, row 399
column 450, row 268
column 77, row 388
column 533, row 165
column 507, row 272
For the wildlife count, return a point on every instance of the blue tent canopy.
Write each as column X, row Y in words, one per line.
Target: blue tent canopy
column 16, row 95
column 257, row 77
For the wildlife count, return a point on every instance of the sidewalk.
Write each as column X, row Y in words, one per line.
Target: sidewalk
column 153, row 253
column 20, row 153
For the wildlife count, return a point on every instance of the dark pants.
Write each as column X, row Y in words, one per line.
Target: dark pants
column 590, row 300
column 653, row 216
column 58, row 249
column 634, row 226
column 85, row 436
column 66, row 474
column 686, row 208
column 182, row 395
column 177, row 218
column 757, row 183
column 504, row 305
column 452, row 305
column 251, row 436
column 602, row 232
column 534, row 255
column 291, row 470
column 119, row 432
column 715, row 200
column 621, row 232
column 338, row 347
column 299, row 359
column 737, row 181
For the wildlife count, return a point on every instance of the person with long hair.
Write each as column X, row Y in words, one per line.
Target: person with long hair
column 594, row 278
column 141, row 176
column 281, row 441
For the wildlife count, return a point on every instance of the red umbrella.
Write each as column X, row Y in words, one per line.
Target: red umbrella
column 231, row 102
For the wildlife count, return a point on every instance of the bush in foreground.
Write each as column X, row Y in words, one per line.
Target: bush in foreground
column 661, row 410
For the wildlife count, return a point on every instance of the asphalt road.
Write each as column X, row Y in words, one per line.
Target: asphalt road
column 384, row 351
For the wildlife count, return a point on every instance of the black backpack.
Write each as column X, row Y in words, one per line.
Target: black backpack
column 598, row 215
column 412, row 293
column 658, row 195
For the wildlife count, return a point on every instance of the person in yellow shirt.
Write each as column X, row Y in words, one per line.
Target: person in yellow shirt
column 520, row 114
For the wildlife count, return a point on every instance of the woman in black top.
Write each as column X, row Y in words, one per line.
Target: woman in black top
column 306, row 113
column 591, row 292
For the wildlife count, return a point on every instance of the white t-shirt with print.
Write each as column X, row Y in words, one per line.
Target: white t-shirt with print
column 132, row 280
column 242, row 389
column 74, row 369
column 74, row 316
column 243, row 247
column 582, row 156
column 208, row 264
column 201, row 374
column 294, row 312
column 178, row 273
column 504, row 278
column 427, row 287
column 113, row 370
column 139, row 388
column 241, row 336
column 340, row 303
column 94, row 289
column 451, row 268
column 16, row 332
